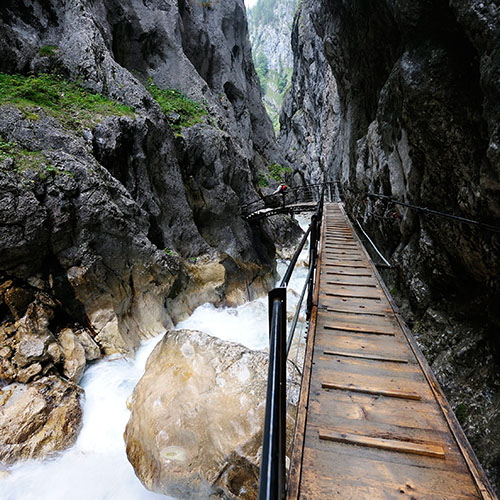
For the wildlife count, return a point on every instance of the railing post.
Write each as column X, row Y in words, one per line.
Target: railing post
column 272, row 469
column 312, row 262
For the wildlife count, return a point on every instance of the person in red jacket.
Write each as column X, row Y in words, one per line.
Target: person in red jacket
column 282, row 188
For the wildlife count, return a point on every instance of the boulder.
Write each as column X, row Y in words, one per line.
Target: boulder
column 38, row 418
column 197, row 416
column 33, row 336
column 74, row 355
column 17, row 300
column 90, row 347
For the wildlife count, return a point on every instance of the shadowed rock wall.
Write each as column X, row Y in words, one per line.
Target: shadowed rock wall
column 134, row 188
column 418, row 119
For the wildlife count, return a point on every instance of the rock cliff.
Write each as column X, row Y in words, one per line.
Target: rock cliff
column 309, row 115
column 130, row 134
column 416, row 117
column 269, row 25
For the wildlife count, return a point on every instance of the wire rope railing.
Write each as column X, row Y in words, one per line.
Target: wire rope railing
column 427, row 211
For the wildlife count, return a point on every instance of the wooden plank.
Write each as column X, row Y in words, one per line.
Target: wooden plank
column 364, row 410
column 360, row 313
column 365, row 356
column 429, row 450
column 341, row 272
column 359, row 329
column 364, row 478
column 345, row 265
column 371, row 390
column 354, row 295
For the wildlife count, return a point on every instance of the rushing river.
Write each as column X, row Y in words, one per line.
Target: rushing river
column 96, row 467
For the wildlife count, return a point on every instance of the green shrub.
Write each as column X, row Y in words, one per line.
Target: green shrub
column 60, row 98
column 48, row 50
column 277, row 171
column 262, row 181
column 174, row 102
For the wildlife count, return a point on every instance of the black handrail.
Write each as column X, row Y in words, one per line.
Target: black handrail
column 299, row 194
column 291, row 266
column 272, row 470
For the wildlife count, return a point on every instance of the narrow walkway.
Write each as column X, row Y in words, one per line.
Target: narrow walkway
column 372, row 421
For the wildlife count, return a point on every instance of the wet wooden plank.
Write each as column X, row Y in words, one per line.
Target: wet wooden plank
column 429, row 450
column 373, row 426
column 372, row 357
column 372, row 330
column 376, row 391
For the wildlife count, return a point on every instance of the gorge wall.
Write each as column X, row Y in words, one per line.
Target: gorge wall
column 402, row 99
column 115, row 223
column 270, row 26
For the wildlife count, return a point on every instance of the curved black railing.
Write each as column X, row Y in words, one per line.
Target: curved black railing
column 293, row 200
column 272, row 470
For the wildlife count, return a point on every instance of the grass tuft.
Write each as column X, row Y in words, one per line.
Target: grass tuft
column 173, row 103
column 48, row 50
column 13, row 158
column 68, row 102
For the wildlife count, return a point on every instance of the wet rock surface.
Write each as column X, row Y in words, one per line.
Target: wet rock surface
column 38, row 419
column 126, row 223
column 417, row 119
column 197, row 414
column 126, row 197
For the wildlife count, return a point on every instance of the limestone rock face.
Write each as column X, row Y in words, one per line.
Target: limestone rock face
column 416, row 117
column 107, row 233
column 38, row 419
column 309, row 115
column 197, row 414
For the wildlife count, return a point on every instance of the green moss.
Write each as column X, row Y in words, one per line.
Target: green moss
column 173, row 102
column 22, row 160
column 277, row 171
column 262, row 181
column 48, row 50
column 68, row 102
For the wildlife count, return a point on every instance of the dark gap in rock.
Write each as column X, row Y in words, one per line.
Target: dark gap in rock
column 128, row 49
column 71, row 309
column 236, row 98
column 198, row 49
column 155, row 233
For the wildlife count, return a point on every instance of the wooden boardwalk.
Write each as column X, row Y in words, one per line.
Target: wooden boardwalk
column 372, row 421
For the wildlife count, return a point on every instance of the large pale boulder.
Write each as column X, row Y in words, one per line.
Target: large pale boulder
column 39, row 418
column 74, row 355
column 197, row 417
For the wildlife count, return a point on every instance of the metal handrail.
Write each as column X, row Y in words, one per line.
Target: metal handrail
column 272, row 472
column 300, row 194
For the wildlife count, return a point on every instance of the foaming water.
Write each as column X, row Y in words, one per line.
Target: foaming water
column 96, row 467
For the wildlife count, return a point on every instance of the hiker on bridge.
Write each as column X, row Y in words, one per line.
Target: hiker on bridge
column 282, row 189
